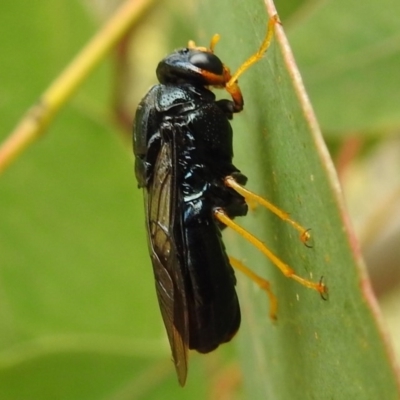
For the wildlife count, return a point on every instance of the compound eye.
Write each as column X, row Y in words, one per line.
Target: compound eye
column 207, row 61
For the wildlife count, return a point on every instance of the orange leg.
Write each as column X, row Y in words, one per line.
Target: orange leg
column 228, row 81
column 261, row 282
column 320, row 287
column 232, row 86
column 260, row 52
column 255, row 198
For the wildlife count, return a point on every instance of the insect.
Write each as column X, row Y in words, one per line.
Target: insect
column 183, row 160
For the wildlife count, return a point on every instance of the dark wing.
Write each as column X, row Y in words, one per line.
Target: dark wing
column 161, row 201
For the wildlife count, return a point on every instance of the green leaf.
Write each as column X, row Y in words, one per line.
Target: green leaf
column 318, row 349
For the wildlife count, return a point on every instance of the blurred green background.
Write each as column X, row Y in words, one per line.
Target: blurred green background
column 76, row 288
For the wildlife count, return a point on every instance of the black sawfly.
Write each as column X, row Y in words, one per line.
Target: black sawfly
column 183, row 161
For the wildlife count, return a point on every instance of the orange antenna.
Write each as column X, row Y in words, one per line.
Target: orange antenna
column 214, row 41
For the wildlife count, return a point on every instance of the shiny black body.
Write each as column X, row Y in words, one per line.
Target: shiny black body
column 183, row 150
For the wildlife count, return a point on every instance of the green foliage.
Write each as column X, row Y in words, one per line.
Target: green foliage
column 78, row 311
column 348, row 54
